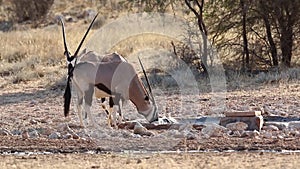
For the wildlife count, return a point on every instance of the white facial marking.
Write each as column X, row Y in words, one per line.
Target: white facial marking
column 72, row 62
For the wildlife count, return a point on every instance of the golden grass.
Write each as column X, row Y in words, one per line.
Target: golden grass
column 36, row 53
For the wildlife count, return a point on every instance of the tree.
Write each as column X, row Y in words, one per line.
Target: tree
column 287, row 14
column 197, row 10
column 264, row 11
column 250, row 34
column 246, row 57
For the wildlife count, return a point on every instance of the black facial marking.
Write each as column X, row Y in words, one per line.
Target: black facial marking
column 147, row 98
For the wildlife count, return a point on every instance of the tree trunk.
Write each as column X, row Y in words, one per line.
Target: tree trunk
column 286, row 21
column 246, row 64
column 286, row 44
column 273, row 49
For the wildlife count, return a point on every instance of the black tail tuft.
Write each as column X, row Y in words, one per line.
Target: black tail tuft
column 67, row 97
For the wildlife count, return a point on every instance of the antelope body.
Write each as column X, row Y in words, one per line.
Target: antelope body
column 92, row 56
column 111, row 77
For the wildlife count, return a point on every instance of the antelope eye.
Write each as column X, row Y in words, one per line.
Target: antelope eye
column 147, row 98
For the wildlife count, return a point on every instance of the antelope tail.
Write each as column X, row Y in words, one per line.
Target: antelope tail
column 67, row 97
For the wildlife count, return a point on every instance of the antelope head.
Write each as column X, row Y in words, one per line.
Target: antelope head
column 151, row 97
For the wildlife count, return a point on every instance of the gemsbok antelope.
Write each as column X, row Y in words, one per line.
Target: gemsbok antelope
column 92, row 56
column 111, row 79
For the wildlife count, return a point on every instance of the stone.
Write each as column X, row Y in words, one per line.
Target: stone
column 25, row 135
column 254, row 123
column 67, row 136
column 294, row 125
column 214, row 130
column 141, row 130
column 75, row 136
column 235, row 133
column 267, row 134
column 250, row 134
column 270, row 128
column 279, row 125
column 6, row 26
column 237, row 126
column 4, row 132
column 33, row 134
column 32, row 121
column 16, row 132
column 55, row 135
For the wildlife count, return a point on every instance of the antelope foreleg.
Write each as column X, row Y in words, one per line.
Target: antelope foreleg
column 79, row 104
column 88, row 99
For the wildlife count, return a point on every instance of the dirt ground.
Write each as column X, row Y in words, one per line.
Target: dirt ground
column 28, row 108
column 209, row 160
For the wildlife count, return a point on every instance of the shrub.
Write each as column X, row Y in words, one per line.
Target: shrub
column 31, row 10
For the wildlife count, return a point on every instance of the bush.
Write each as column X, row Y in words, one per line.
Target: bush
column 31, row 10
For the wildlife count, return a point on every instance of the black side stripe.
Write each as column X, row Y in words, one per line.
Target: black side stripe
column 102, row 87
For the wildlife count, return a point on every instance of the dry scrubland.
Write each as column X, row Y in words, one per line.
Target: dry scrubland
column 32, row 79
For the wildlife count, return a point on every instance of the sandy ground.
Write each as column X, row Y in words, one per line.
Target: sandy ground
column 180, row 160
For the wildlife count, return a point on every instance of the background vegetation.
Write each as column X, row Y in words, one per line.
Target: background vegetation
column 251, row 36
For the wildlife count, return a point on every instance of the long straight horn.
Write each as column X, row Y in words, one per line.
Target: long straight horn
column 67, row 53
column 147, row 80
column 86, row 33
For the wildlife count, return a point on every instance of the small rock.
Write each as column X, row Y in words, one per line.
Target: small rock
column 235, row 133
column 190, row 136
column 214, row 130
column 34, row 102
column 25, row 135
column 63, row 128
column 33, row 134
column 294, row 125
column 136, row 136
column 67, row 136
column 294, row 133
column 237, row 126
column 267, row 134
column 43, row 121
column 55, row 135
column 16, row 132
column 250, row 134
column 138, row 161
column 70, row 18
column 141, row 130
column 4, row 132
column 280, row 136
column 75, row 136
column 32, row 121
column 279, row 125
column 270, row 128
column 44, row 131
column 6, row 26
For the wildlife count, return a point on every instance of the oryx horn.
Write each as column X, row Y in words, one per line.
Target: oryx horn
column 147, row 80
column 86, row 33
column 64, row 38
column 70, row 58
